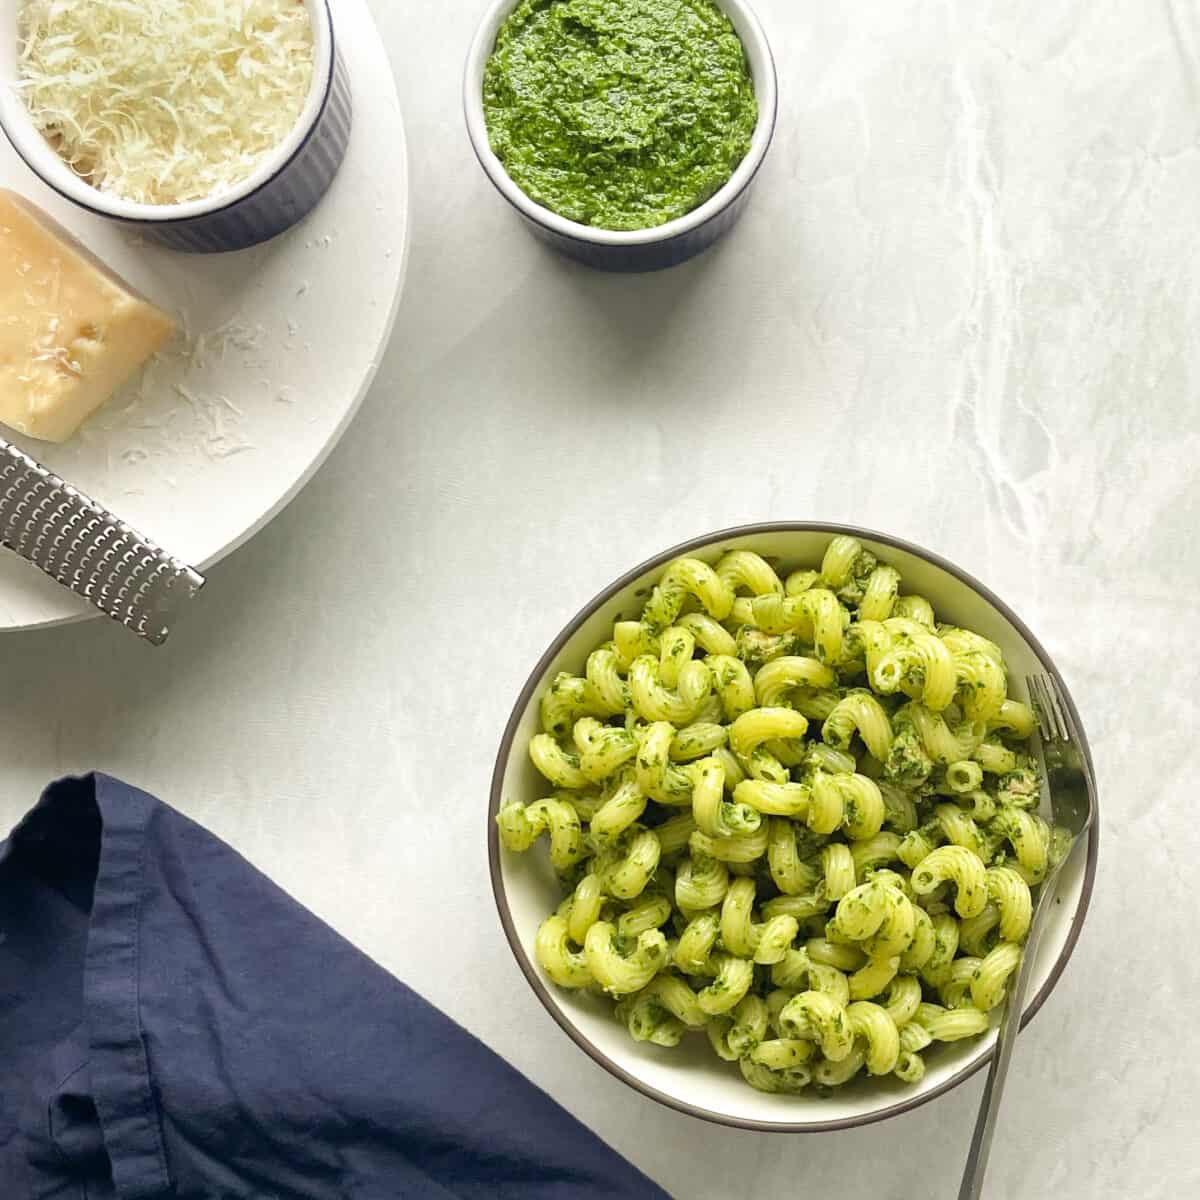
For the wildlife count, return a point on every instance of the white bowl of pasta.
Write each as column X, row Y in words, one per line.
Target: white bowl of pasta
column 790, row 790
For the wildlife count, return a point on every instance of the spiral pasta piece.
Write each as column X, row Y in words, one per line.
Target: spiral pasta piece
column 655, row 699
column 605, row 674
column 1012, row 897
column 624, row 805
column 697, row 740
column 1029, row 837
column 683, row 578
column 964, row 777
column 646, row 1020
column 875, row 1026
column 557, row 764
column 774, row 799
column 745, row 848
column 958, row 828
column 714, row 815
column 957, row 865
column 857, row 797
column 629, row 864
column 898, row 927
column 764, row 1079
column 871, row 979
column 874, row 852
column 744, row 570
column 732, row 683
column 695, row 946
column 976, row 934
column 950, row 1025
column 752, row 729
column 520, row 825
column 991, row 976
column 837, row 864
column 880, row 594
column 620, row 974
column 656, row 775
column 677, row 998
column 981, row 685
column 902, row 999
column 711, row 636
column 701, row 882
column 566, row 700
column 552, row 948
column 915, row 608
column 782, row 1054
column 823, row 952
column 587, row 903
column 994, row 757
column 775, row 680
column 859, row 712
column 936, row 968
column 840, row 556
column 651, row 912
column 802, row 907
column 955, row 992
column 1014, row 718
column 603, row 750
column 631, row 639
column 921, row 948
column 733, row 979
column 817, row 1017
column 766, row 943
column 789, row 874
column 860, row 912
column 751, row 1023
column 918, row 664
column 675, row 833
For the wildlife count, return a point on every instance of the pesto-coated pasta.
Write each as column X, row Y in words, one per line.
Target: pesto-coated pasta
column 792, row 813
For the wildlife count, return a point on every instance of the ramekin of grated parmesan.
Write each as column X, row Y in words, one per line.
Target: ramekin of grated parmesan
column 207, row 125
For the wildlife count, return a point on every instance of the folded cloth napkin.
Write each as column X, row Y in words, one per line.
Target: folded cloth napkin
column 172, row 1024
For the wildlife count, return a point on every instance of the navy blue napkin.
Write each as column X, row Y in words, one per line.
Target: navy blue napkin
column 172, row 1024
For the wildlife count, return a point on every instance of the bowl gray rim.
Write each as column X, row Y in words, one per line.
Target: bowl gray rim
column 620, row 240
column 541, row 989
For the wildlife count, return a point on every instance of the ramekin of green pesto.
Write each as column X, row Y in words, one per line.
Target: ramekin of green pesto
column 627, row 132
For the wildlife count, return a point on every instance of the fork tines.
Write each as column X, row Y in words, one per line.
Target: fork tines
column 1047, row 707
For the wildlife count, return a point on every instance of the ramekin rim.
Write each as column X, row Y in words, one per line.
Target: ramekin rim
column 743, row 175
column 32, row 148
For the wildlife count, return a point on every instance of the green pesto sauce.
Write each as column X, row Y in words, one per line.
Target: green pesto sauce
column 622, row 114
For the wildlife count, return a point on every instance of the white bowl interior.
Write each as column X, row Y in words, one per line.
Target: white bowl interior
column 762, row 71
column 691, row 1074
column 34, row 148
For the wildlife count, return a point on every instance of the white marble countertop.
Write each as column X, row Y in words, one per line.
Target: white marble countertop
column 962, row 307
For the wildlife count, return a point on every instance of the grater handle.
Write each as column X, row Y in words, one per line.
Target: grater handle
column 82, row 546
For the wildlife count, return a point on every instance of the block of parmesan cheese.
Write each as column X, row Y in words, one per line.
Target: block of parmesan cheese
column 71, row 330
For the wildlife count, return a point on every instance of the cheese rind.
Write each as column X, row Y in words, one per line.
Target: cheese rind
column 71, row 329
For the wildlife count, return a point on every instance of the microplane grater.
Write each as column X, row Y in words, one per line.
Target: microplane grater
column 82, row 546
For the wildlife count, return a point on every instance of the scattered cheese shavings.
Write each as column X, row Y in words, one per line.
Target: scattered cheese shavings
column 166, row 102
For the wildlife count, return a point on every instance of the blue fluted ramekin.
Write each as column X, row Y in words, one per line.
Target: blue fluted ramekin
column 640, row 249
column 285, row 187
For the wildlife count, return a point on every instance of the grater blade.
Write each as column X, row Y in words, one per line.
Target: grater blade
column 84, row 547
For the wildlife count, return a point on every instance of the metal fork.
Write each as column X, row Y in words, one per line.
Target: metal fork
column 1067, row 778
column 81, row 545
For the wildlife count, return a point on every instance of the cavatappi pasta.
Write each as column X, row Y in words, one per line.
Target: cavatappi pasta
column 796, row 815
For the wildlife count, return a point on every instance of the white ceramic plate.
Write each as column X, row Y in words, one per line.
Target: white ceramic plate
column 286, row 337
column 690, row 1078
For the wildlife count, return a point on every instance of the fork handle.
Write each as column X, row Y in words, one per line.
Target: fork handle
column 1006, row 1039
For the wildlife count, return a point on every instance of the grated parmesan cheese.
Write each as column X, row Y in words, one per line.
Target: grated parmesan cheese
column 165, row 101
